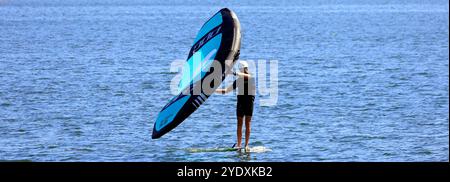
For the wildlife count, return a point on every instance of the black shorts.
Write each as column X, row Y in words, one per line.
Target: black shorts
column 245, row 105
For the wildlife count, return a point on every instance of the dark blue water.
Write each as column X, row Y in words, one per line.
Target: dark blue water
column 84, row 81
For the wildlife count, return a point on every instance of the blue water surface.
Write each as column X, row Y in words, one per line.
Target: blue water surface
column 358, row 80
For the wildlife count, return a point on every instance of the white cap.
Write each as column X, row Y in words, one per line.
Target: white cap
column 243, row 64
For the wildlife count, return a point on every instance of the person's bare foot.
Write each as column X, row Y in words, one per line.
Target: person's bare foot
column 247, row 149
column 237, row 147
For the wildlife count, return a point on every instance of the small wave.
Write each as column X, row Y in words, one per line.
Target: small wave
column 260, row 149
column 20, row 160
column 198, row 150
column 6, row 104
column 147, row 85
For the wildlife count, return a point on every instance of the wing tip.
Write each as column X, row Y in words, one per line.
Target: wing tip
column 155, row 136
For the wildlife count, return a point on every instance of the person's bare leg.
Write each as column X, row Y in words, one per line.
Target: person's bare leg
column 239, row 131
column 248, row 120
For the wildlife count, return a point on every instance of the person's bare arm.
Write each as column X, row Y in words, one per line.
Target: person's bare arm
column 243, row 75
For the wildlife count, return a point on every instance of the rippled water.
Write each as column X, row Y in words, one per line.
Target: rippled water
column 84, row 81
